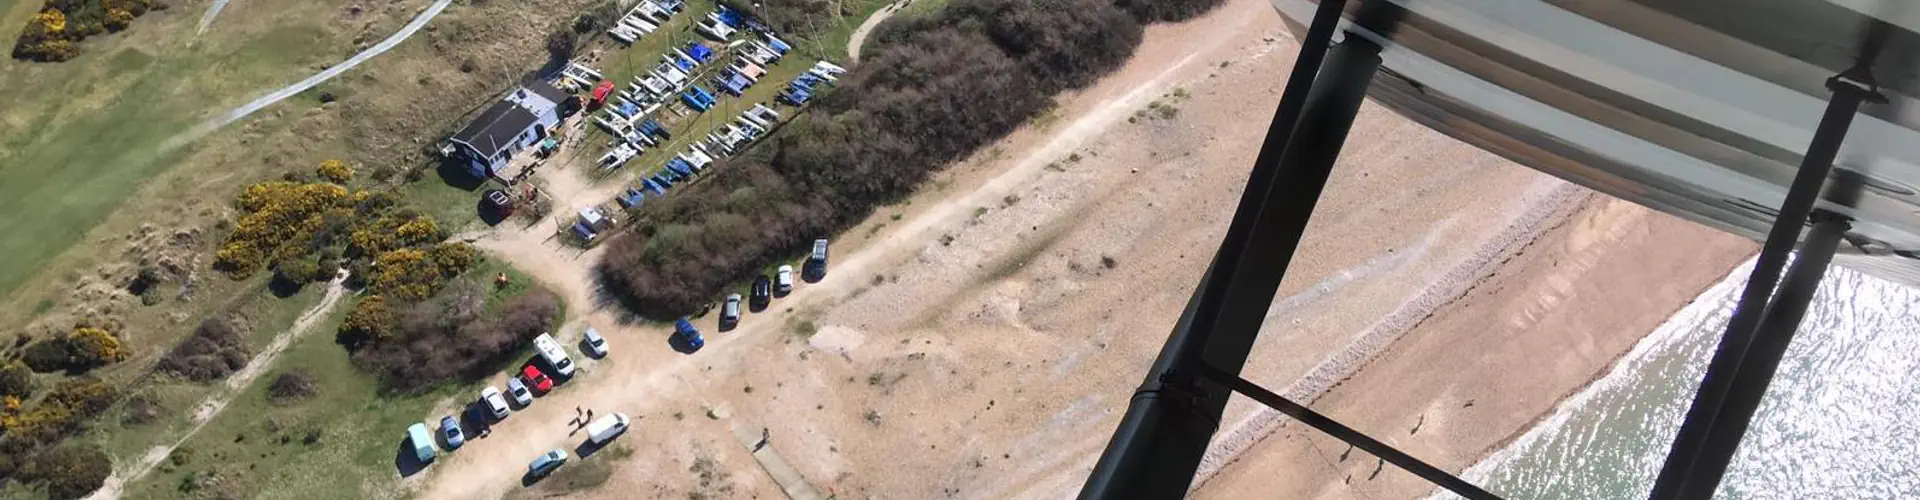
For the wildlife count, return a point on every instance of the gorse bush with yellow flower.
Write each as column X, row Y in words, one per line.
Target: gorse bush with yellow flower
column 50, row 35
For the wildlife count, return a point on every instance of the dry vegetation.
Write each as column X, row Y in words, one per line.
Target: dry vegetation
column 933, row 89
column 448, row 338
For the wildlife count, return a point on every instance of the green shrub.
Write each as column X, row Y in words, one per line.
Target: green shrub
column 16, row 380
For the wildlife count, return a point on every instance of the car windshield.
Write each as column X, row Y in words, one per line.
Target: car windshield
column 563, row 364
column 519, row 390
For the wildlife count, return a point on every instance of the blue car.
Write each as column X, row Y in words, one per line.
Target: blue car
column 689, row 334
column 451, row 427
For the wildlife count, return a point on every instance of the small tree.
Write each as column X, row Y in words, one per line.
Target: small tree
column 560, row 44
column 296, row 272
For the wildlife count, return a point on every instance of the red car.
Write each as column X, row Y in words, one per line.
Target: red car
column 538, row 380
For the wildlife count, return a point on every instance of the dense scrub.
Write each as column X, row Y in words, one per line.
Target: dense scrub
column 932, row 90
column 33, row 448
column 215, row 350
column 51, row 34
column 306, row 229
column 450, row 337
column 78, row 351
column 1148, row 11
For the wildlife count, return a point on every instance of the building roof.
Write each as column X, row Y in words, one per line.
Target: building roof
column 548, row 91
column 495, row 128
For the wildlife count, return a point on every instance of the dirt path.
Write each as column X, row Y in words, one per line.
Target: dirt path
column 215, row 403
column 860, row 34
column 207, row 19
column 276, row 96
column 642, row 376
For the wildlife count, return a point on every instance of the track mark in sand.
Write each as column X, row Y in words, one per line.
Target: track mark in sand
column 327, row 74
column 211, row 407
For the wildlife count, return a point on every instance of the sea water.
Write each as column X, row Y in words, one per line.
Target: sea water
column 1840, row 420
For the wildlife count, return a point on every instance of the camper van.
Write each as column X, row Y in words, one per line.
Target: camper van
column 422, row 442
column 551, row 352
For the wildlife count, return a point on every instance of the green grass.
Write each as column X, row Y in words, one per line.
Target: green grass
column 258, row 450
column 78, row 138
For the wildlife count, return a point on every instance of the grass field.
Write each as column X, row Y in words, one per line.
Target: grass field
column 256, row 449
column 82, row 137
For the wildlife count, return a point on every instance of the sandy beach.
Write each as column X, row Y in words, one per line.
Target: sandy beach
column 981, row 339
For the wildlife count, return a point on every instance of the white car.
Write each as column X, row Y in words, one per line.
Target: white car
column 519, row 391
column 595, row 343
column 495, row 402
column 783, row 280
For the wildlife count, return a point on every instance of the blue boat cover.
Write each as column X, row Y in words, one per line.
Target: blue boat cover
column 699, row 52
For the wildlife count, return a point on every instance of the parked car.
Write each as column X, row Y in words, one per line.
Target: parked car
column 538, row 381
column 606, row 428
column 783, row 280
column 519, row 391
column 762, row 293
column 422, row 442
column 688, row 334
column 595, row 343
column 494, row 401
column 451, row 428
column 555, row 356
column 547, row 462
column 730, row 312
column 815, row 267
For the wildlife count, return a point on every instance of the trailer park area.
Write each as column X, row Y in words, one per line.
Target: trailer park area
column 698, row 83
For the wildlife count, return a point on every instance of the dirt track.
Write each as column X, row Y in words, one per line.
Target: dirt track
column 981, row 339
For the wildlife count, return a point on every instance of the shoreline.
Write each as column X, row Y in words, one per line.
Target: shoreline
column 1387, row 389
column 1556, row 206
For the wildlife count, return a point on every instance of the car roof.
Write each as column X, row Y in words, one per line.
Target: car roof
column 592, row 333
column 448, row 418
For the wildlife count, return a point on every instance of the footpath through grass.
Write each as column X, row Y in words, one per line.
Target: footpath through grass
column 348, row 441
column 79, row 138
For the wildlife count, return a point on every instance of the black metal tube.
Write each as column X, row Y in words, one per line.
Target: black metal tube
column 1717, row 381
column 1348, row 434
column 1770, row 343
column 1163, row 436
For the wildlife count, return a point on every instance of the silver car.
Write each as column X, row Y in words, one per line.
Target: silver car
column 596, row 344
column 730, row 312
column 519, row 391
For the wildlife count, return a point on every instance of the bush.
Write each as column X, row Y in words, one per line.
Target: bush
column 69, row 471
column 90, row 347
column 16, row 380
column 215, row 350
column 50, row 35
column 372, row 320
column 83, row 349
column 46, row 356
column 932, row 90
column 335, row 170
column 292, row 387
column 442, row 341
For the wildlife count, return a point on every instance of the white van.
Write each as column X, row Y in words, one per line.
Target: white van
column 606, row 428
column 555, row 356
